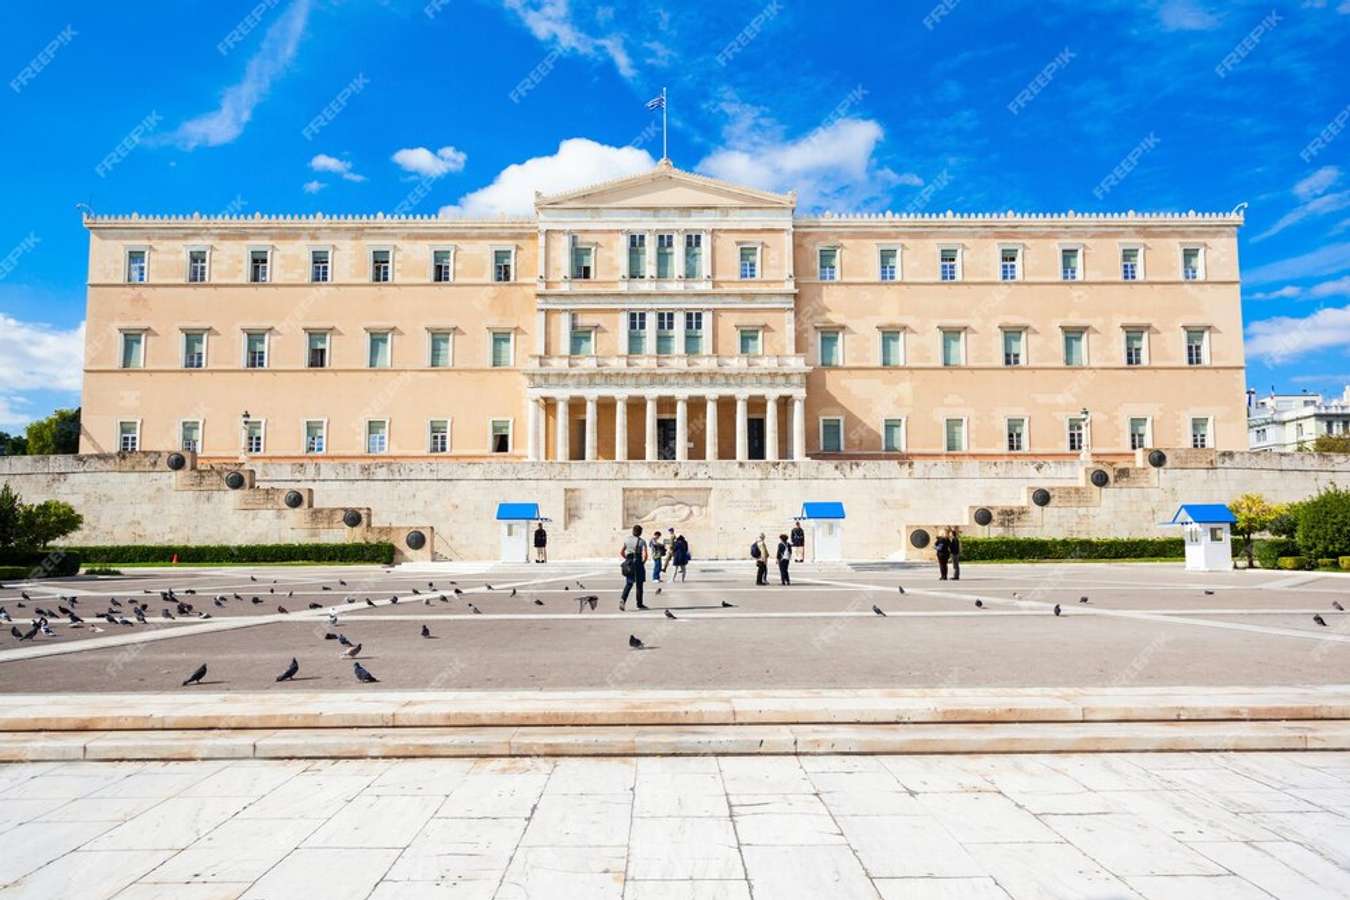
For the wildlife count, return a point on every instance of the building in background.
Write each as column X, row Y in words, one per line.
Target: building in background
column 664, row 316
column 1289, row 422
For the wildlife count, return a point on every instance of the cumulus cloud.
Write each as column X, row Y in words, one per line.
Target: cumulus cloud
column 1339, row 287
column 37, row 358
column 1282, row 338
column 1329, row 260
column 578, row 162
column 552, row 22
column 237, row 102
column 421, row 161
column 313, row 187
column 331, row 164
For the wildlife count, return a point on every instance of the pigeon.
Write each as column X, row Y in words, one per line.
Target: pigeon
column 30, row 633
column 1319, row 620
column 491, row 588
column 4, row 616
column 726, row 605
column 325, row 588
column 901, row 587
column 426, row 632
column 394, row 599
column 253, row 578
column 196, row 676
column 1016, row 596
column 513, row 592
column 316, row 606
column 979, row 604
column 635, row 642
column 581, row 586
column 257, row 601
column 1056, row 609
column 476, row 611
column 341, row 582
column 281, row 609
column 344, row 640
column 352, row 651
column 290, row 671
column 190, row 591
column 877, row 609
column 443, row 598
column 658, row 590
column 362, row 675
column 76, row 620
column 369, row 602
column 329, row 636
column 166, row 614
column 669, row 614
column 1209, row 593
column 538, row 602
column 14, row 630
column 458, row 592
column 1336, row 604
column 416, row 591
column 219, row 602
column 271, row 590
column 332, row 619
column 1082, row 599
column 426, row 601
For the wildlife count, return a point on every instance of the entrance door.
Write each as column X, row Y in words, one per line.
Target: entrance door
column 576, row 444
column 755, row 438
column 515, row 541
column 665, row 438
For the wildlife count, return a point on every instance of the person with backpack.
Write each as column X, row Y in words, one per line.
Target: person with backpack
column 943, row 548
column 679, row 557
column 658, row 551
column 798, row 542
column 634, row 567
column 784, row 558
column 759, row 552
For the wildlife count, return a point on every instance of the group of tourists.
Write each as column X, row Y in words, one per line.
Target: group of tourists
column 668, row 554
column 791, row 547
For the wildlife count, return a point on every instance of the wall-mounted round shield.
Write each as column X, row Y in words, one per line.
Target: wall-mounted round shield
column 235, row 480
column 919, row 538
column 295, row 499
column 351, row 518
column 176, row 461
column 415, row 540
column 1100, row 478
column 1157, row 459
column 983, row 516
column 1041, row 497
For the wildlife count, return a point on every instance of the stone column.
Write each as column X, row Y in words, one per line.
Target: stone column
column 799, row 428
column 592, row 426
column 771, row 428
column 621, row 428
column 681, row 428
column 710, row 429
column 651, row 429
column 679, row 332
column 742, row 427
column 561, row 448
column 532, row 428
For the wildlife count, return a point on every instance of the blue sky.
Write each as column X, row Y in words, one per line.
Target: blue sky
column 467, row 106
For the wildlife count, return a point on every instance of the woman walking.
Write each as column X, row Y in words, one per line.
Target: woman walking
column 784, row 559
column 679, row 557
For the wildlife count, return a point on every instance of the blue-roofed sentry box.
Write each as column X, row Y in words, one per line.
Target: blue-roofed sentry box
column 826, row 521
column 1208, row 531
column 517, row 525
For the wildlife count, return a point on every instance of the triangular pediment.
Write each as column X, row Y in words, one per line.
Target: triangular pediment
column 664, row 187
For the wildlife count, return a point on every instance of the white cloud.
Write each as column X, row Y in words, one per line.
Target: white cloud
column 313, row 187
column 1329, row 260
column 237, row 102
column 37, row 358
column 325, row 163
column 1284, row 293
column 1339, row 287
column 1285, row 337
column 1318, row 206
column 551, row 21
column 1186, row 15
column 421, row 161
column 578, row 162
column 1317, row 183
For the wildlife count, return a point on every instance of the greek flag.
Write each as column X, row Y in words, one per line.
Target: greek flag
column 658, row 102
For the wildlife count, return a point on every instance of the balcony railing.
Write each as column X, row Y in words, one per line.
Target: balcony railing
column 671, row 361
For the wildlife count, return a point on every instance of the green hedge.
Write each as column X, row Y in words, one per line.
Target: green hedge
column 243, row 553
column 978, row 548
column 39, row 563
column 1345, row 562
column 1268, row 552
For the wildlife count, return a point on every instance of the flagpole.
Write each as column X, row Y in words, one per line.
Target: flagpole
column 664, row 153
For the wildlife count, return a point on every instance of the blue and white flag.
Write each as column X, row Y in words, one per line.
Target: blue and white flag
column 658, row 102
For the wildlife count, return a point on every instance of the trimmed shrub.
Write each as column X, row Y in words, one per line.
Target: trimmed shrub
column 13, row 573
column 40, row 563
column 1292, row 562
column 1326, row 563
column 1268, row 552
column 982, row 548
column 1324, row 524
column 1345, row 562
column 114, row 554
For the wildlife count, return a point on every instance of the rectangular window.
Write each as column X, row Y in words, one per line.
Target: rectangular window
column 377, row 436
column 1017, row 435
column 752, row 343
column 893, row 435
column 887, row 257
column 501, row 265
column 637, row 256
column 259, row 262
column 1076, row 429
column 253, row 436
column 1075, row 347
column 749, row 262
column 665, row 256
column 438, row 354
column 892, row 350
column 438, row 436
column 502, row 349
column 380, row 350
column 1138, row 433
column 637, row 333
column 128, row 436
column 1195, row 346
column 441, row 266
column 693, row 333
column 1008, row 259
column 319, row 266
column 381, row 266
column 500, row 430
column 1129, row 264
column 190, row 436
column 1068, row 264
column 1014, row 347
column 828, row 261
column 665, row 333
column 196, row 266
column 948, row 263
column 1192, row 264
column 133, row 350
column 955, row 431
column 831, row 435
column 581, row 341
column 1260, row 438
column 829, row 348
column 1134, row 347
column 194, row 349
column 255, row 350
column 582, row 262
column 952, row 340
column 693, row 256
column 137, row 269
column 316, row 436
column 1199, row 433
column 317, row 347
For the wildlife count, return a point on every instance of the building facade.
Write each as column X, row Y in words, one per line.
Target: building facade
column 1290, row 422
column 664, row 316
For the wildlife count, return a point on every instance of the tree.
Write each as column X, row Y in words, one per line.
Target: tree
column 58, row 433
column 13, row 444
column 1254, row 514
column 1328, row 443
column 47, row 521
column 10, row 508
column 1285, row 523
column 1324, row 525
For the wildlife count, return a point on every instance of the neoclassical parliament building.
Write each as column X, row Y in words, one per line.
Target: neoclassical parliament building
column 664, row 316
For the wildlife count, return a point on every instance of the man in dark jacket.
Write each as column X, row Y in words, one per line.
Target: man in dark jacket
column 798, row 542
column 943, row 548
column 540, row 544
column 955, row 544
column 784, row 558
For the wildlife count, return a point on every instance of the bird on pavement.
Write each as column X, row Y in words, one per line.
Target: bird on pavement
column 901, row 587
column 979, row 604
column 475, row 610
column 488, row 586
column 658, row 590
column 329, row 636
column 352, row 652
column 1057, row 610
column 635, row 642
column 196, row 676
column 14, row 630
column 726, row 605
column 362, row 675
column 1082, row 599
column 253, row 578
column 290, row 671
column 344, row 640
column 443, row 598
column 31, row 633
column 426, row 632
column 282, row 609
column 513, row 592
column 1336, row 604
column 324, row 588
column 1319, row 620
column 669, row 614
column 316, row 606
column 369, row 602
column 256, row 601
column 581, row 586
column 1209, row 593
column 877, row 609
column 164, row 613
column 538, row 602
column 341, row 582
